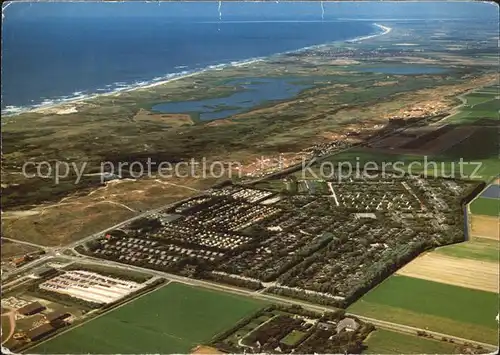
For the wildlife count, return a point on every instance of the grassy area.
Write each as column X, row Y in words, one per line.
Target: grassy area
column 293, row 338
column 477, row 249
column 481, row 147
column 486, row 206
column 173, row 319
column 388, row 342
column 5, row 327
column 12, row 249
column 478, row 105
column 479, row 154
column 447, row 163
column 431, row 305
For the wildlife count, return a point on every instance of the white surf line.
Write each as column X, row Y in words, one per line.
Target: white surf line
column 333, row 193
column 11, row 111
column 385, row 30
column 4, row 7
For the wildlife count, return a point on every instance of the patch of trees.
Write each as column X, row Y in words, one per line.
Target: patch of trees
column 384, row 268
column 145, row 225
column 218, row 340
column 117, row 233
column 324, row 342
column 302, row 295
column 238, row 282
column 302, row 276
column 270, row 334
column 333, row 315
column 473, row 193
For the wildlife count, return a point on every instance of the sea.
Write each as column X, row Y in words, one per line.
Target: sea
column 56, row 52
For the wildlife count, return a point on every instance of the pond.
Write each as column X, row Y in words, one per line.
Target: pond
column 253, row 92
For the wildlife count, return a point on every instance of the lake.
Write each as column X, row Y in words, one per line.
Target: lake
column 252, row 92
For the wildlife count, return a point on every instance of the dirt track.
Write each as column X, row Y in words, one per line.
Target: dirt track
column 485, row 227
column 12, row 325
column 480, row 275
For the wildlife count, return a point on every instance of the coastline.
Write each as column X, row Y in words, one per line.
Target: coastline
column 66, row 104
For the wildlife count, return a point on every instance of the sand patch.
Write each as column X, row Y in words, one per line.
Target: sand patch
column 475, row 274
column 219, row 122
column 17, row 214
column 202, row 349
column 79, row 216
column 343, row 62
column 385, row 83
column 66, row 111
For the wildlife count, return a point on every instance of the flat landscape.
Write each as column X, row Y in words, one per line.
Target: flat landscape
column 173, row 319
column 484, row 215
column 349, row 209
column 480, row 249
column 476, row 274
column 481, row 104
column 486, row 206
column 434, row 306
column 388, row 342
column 485, row 227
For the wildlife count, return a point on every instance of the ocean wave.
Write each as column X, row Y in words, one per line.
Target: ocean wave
column 121, row 86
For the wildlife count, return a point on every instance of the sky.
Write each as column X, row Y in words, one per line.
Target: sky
column 209, row 10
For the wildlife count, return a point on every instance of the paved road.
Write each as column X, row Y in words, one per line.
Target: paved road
column 26, row 243
column 274, row 298
column 58, row 250
column 12, row 325
column 85, row 259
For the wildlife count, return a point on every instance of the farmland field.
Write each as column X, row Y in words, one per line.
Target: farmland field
column 485, row 227
column 388, row 342
column 293, row 338
column 480, row 147
column 173, row 319
column 483, row 104
column 431, row 305
column 486, row 206
column 476, row 249
column 479, row 275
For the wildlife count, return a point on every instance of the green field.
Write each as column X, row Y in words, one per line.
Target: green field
column 481, row 104
column 388, row 342
column 293, row 338
column 480, row 147
column 482, row 249
column 435, row 306
column 486, row 206
column 173, row 319
column 478, row 98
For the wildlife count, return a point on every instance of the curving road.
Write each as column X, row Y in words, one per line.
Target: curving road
column 274, row 298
